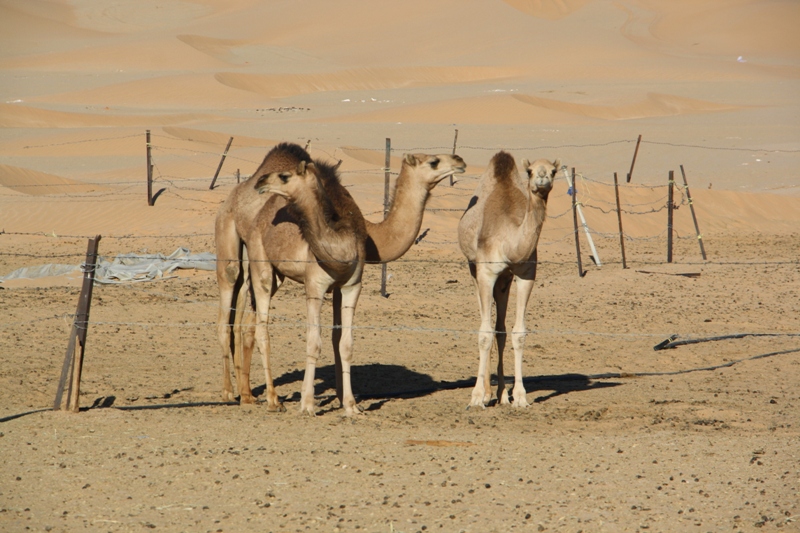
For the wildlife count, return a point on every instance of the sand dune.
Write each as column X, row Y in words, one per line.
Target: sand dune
column 217, row 48
column 35, row 183
column 548, row 9
column 183, row 91
column 490, row 109
column 21, row 116
column 140, row 55
column 654, row 105
column 281, row 86
column 753, row 30
column 213, row 137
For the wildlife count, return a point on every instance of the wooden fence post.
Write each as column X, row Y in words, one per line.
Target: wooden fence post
column 694, row 216
column 455, row 141
column 619, row 219
column 636, row 151
column 149, row 171
column 219, row 167
column 670, row 205
column 237, row 176
column 386, row 178
column 575, row 221
column 73, row 362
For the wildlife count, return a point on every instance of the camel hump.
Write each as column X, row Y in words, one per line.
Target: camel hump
column 504, row 167
column 291, row 150
column 283, row 156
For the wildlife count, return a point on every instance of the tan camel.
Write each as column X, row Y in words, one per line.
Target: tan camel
column 283, row 252
column 235, row 218
column 330, row 254
column 498, row 234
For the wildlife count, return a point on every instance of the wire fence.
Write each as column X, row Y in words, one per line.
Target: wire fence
column 197, row 158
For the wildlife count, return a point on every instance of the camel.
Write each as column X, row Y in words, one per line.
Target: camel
column 331, row 254
column 498, row 233
column 235, row 218
column 386, row 241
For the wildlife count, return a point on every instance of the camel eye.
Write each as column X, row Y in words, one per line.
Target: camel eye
column 284, row 176
column 434, row 163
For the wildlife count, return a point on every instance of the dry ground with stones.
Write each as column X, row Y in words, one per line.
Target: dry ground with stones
column 619, row 437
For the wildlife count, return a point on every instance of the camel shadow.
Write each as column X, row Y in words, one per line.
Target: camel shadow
column 383, row 383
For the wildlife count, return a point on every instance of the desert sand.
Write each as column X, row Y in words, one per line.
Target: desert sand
column 619, row 437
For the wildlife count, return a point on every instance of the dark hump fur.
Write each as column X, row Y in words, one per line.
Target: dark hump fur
column 335, row 201
column 504, row 167
column 283, row 156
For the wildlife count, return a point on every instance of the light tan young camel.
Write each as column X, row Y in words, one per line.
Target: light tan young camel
column 386, row 241
column 331, row 254
column 498, row 234
column 235, row 217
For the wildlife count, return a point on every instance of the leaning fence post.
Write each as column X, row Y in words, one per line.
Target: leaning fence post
column 455, row 141
column 636, row 151
column 575, row 222
column 219, row 167
column 694, row 217
column 571, row 182
column 670, row 199
column 386, row 178
column 619, row 219
column 73, row 362
column 149, row 171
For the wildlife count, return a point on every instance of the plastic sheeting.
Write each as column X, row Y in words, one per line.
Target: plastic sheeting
column 126, row 268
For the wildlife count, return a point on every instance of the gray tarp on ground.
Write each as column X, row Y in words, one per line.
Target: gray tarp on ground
column 126, row 267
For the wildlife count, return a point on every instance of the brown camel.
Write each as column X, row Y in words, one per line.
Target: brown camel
column 498, row 234
column 386, row 241
column 331, row 254
column 235, row 218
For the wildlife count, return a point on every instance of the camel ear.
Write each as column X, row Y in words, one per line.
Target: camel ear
column 301, row 167
column 525, row 164
column 557, row 164
column 410, row 159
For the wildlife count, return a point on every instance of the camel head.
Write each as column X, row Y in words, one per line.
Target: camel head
column 541, row 174
column 289, row 183
column 431, row 169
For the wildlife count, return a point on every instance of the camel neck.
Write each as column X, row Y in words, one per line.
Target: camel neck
column 333, row 245
column 396, row 234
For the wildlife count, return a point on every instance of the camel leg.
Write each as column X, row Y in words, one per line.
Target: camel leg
column 228, row 271
column 349, row 299
column 501, row 291
column 485, row 280
column 524, row 288
column 243, row 337
column 336, row 338
column 314, row 297
column 487, row 379
column 263, row 283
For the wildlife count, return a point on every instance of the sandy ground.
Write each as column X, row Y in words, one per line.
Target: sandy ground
column 619, row 437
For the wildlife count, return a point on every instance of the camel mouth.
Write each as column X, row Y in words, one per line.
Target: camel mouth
column 452, row 171
column 266, row 189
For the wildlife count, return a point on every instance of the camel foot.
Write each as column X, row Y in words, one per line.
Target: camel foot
column 275, row 407
column 479, row 397
column 353, row 410
column 227, row 396
column 504, row 398
column 246, row 398
column 310, row 410
column 520, row 400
